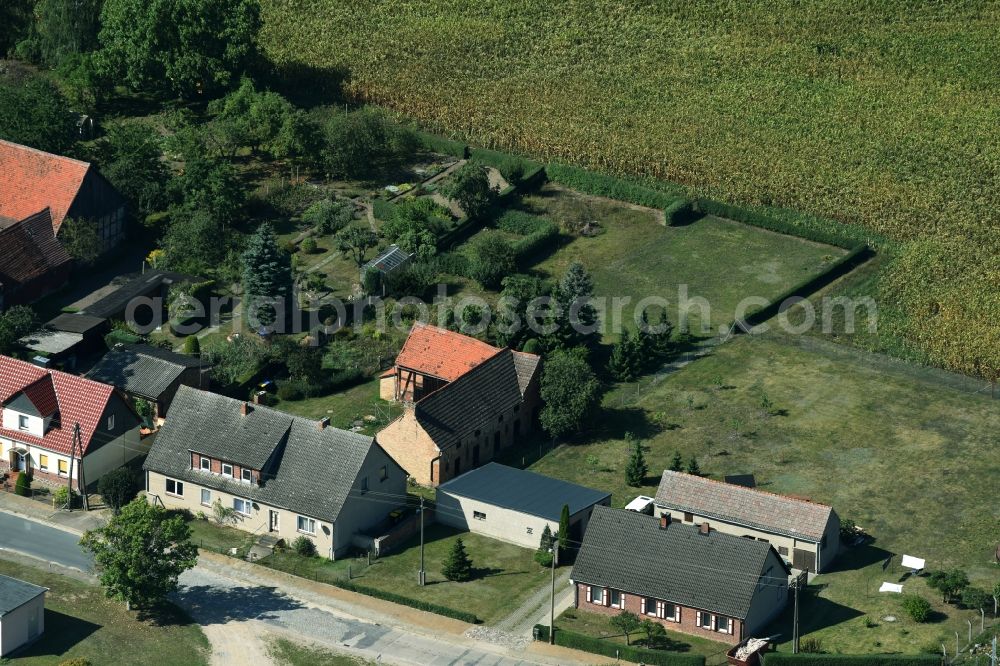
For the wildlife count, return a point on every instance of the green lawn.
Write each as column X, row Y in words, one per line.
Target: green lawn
column 345, row 407
column 718, row 260
column 908, row 458
column 595, row 624
column 287, row 653
column 80, row 623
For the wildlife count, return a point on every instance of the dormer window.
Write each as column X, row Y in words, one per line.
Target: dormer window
column 22, row 422
column 227, row 469
column 246, row 475
column 206, row 464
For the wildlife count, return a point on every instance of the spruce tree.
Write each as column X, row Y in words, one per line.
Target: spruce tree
column 621, row 365
column 579, row 322
column 267, row 276
column 693, row 467
column 458, row 566
column 636, row 470
column 677, row 464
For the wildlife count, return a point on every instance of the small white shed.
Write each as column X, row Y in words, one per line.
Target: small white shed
column 515, row 505
column 22, row 613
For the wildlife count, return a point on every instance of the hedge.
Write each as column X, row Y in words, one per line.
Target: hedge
column 521, row 223
column 407, row 601
column 382, row 209
column 514, row 168
column 621, row 189
column 627, row 652
column 679, row 212
column 439, row 144
column 793, row 223
column 527, row 247
column 812, row 659
column 842, row 266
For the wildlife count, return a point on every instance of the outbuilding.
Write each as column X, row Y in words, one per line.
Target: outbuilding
column 515, row 505
column 22, row 613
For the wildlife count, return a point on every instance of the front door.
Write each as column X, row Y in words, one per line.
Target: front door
column 21, row 460
column 272, row 523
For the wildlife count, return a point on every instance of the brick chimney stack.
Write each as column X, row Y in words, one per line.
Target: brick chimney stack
column 664, row 521
column 244, row 408
column 323, row 423
column 704, row 528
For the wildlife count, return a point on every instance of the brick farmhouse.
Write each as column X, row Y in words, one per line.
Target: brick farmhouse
column 691, row 579
column 805, row 534
column 464, row 402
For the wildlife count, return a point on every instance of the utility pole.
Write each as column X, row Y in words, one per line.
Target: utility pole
column 72, row 460
column 552, row 600
column 422, row 575
column 795, row 620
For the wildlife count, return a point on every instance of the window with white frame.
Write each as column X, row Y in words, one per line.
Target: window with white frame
column 22, row 422
column 242, row 506
column 595, row 595
column 671, row 612
column 206, row 497
column 306, row 525
column 704, row 620
column 246, row 475
column 206, row 464
column 175, row 487
column 650, row 606
column 723, row 625
column 111, row 422
column 617, row 599
column 227, row 469
column 479, row 515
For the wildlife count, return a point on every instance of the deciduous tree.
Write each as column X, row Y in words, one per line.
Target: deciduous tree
column 117, row 488
column 355, row 241
column 470, row 187
column 627, row 623
column 36, row 114
column 570, row 391
column 141, row 552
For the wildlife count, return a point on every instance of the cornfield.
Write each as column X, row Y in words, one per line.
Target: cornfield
column 883, row 113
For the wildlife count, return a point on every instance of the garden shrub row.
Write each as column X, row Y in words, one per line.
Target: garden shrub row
column 627, row 652
column 439, row 144
column 810, row 285
column 812, row 659
column 516, row 169
column 680, row 212
column 793, row 223
column 602, row 185
column 382, row 209
column 528, row 247
column 407, row 601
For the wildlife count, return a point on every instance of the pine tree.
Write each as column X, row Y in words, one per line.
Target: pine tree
column 579, row 322
column 663, row 341
column 677, row 464
column 458, row 566
column 635, row 472
column 693, row 467
column 267, row 276
column 621, row 363
column 564, row 528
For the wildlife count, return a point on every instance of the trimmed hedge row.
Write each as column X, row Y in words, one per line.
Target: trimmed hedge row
column 628, row 652
column 842, row 266
column 598, row 184
column 809, row 659
column 679, row 212
column 407, row 601
column 439, row 144
column 514, row 168
column 793, row 223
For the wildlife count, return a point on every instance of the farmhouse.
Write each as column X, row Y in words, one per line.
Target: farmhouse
column 805, row 534
column 22, row 613
column 689, row 578
column 70, row 189
column 148, row 373
column 33, row 263
column 281, row 475
column 41, row 409
column 464, row 403
column 515, row 505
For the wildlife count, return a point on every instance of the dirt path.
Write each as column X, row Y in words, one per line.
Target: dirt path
column 238, row 643
column 521, row 621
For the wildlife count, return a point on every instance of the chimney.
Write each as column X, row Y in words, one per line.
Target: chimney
column 258, row 397
column 704, row 528
column 664, row 521
column 244, row 408
column 323, row 423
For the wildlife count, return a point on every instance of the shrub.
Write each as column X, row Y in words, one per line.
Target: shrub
column 976, row 598
column 789, row 659
column 383, row 210
column 494, row 258
column 679, row 212
column 304, row 546
column 328, row 216
column 513, row 168
column 464, row 616
column 439, row 144
column 77, row 661
column 544, row 558
column 521, row 223
column 62, row 495
column 811, row 645
column 308, row 245
column 191, row 346
column 918, row 608
column 22, row 486
column 291, row 390
column 117, row 488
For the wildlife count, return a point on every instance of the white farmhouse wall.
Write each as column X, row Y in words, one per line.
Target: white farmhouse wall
column 364, row 509
column 17, row 628
column 513, row 527
column 36, row 424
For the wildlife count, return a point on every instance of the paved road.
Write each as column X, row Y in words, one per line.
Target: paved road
column 42, row 541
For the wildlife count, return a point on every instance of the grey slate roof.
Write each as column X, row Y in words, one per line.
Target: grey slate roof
column 714, row 572
column 75, row 323
column 743, row 506
column 526, row 365
column 115, row 303
column 14, row 593
column 476, row 398
column 305, row 469
column 520, row 490
column 141, row 369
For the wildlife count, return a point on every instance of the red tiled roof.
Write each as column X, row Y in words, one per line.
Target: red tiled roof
column 441, row 353
column 80, row 401
column 33, row 180
column 42, row 395
column 30, row 249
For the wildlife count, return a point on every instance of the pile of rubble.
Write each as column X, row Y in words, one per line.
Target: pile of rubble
column 497, row 637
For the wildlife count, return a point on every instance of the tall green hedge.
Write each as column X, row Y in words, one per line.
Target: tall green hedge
column 439, row 144
column 407, row 601
column 622, row 189
column 514, row 168
column 382, row 209
column 807, row 659
column 680, row 211
column 628, row 652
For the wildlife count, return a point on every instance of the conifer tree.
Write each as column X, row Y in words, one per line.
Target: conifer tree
column 636, row 470
column 458, row 566
column 693, row 467
column 579, row 322
column 677, row 464
column 267, row 276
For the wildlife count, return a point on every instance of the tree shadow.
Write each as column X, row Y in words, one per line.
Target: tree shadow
column 859, row 557
column 618, row 420
column 815, row 613
column 479, row 573
column 61, row 633
column 164, row 615
column 308, row 86
column 212, row 605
